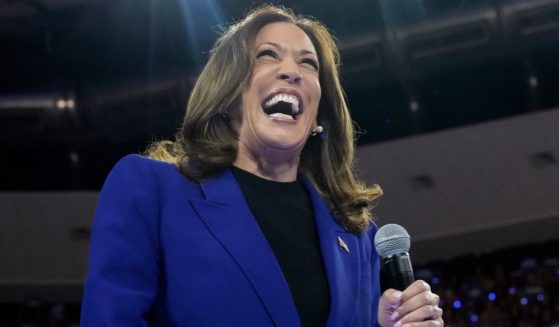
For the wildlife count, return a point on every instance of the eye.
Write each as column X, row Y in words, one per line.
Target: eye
column 311, row 62
column 267, row 53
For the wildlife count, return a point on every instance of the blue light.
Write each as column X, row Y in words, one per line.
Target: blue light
column 435, row 280
column 492, row 296
column 540, row 297
column 474, row 318
column 200, row 19
column 457, row 304
column 523, row 300
column 512, row 290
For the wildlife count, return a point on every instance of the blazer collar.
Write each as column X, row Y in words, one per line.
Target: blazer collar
column 227, row 214
column 341, row 252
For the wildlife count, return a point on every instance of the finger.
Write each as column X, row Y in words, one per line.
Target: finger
column 417, row 287
column 389, row 301
column 425, row 313
column 419, row 301
column 431, row 323
column 391, row 298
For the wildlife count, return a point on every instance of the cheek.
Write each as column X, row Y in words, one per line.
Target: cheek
column 317, row 94
column 253, row 94
column 249, row 99
column 236, row 116
column 316, row 89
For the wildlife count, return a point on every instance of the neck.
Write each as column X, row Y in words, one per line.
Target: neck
column 272, row 166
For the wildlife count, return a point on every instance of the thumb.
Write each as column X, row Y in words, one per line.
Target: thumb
column 389, row 301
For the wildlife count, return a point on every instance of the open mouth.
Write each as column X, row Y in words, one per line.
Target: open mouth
column 282, row 105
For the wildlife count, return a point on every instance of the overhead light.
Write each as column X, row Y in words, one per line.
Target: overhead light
column 61, row 104
column 533, row 81
column 414, row 105
column 65, row 104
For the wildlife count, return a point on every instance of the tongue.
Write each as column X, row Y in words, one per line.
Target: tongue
column 280, row 107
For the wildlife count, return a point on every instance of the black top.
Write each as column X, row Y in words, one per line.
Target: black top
column 285, row 215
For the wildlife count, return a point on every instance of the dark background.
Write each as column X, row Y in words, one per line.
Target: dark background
column 84, row 82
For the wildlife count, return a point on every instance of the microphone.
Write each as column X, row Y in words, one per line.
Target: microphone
column 392, row 243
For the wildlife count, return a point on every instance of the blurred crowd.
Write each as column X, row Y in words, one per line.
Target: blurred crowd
column 517, row 287
column 38, row 313
column 512, row 288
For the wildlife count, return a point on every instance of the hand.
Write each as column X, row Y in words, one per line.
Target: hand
column 416, row 306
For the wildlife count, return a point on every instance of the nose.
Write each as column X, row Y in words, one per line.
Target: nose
column 290, row 73
column 291, row 77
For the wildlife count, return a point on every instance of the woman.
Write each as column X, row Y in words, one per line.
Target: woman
column 253, row 216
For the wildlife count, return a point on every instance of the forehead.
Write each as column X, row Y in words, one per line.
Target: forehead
column 286, row 35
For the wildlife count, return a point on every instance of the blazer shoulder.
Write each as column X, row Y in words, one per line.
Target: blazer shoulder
column 162, row 178
column 138, row 165
column 136, row 161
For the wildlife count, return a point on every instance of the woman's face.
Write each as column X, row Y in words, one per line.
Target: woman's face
column 280, row 103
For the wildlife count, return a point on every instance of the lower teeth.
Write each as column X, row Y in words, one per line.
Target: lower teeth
column 282, row 116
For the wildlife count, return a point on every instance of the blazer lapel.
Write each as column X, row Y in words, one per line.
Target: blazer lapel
column 228, row 217
column 342, row 258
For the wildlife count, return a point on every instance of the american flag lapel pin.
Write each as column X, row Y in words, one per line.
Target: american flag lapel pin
column 343, row 245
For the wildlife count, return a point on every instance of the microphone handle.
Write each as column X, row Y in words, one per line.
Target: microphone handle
column 398, row 270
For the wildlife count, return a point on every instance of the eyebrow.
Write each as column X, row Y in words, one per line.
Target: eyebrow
column 279, row 47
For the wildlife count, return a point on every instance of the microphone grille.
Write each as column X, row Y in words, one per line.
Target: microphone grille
column 392, row 239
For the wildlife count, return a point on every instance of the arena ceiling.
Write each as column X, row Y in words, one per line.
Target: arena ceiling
column 84, row 82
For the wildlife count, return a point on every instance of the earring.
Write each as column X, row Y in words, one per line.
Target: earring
column 317, row 130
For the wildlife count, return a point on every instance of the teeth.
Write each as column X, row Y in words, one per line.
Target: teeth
column 285, row 98
column 281, row 116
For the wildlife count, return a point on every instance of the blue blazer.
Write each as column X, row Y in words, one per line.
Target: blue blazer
column 166, row 251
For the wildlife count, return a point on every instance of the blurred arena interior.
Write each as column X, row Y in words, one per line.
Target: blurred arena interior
column 456, row 103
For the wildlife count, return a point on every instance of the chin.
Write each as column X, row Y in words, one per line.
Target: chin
column 285, row 144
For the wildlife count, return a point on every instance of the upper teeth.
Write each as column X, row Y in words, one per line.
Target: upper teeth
column 285, row 98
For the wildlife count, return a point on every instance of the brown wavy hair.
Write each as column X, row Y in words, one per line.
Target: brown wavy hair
column 206, row 144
